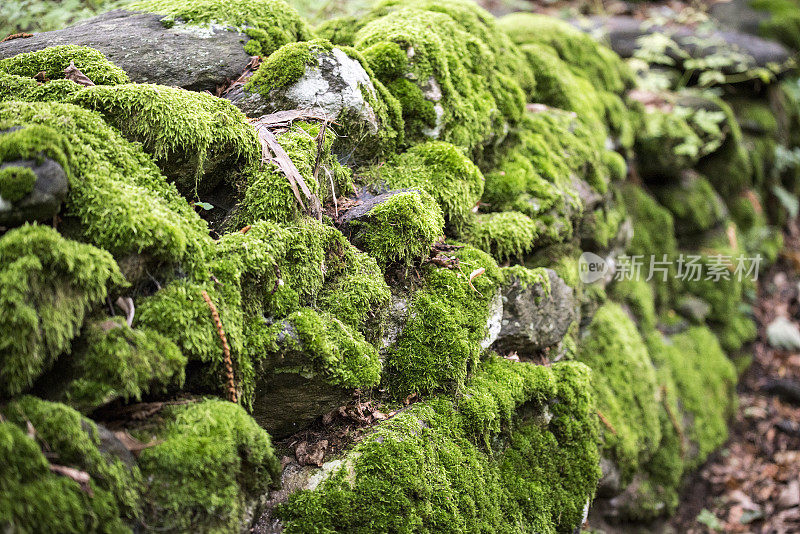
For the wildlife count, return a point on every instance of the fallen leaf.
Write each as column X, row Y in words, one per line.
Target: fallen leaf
column 73, row 73
column 81, row 477
column 311, row 454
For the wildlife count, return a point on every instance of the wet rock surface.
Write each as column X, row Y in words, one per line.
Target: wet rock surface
column 44, row 200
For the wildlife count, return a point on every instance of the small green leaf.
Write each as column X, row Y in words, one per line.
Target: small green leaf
column 708, row 519
column 205, row 205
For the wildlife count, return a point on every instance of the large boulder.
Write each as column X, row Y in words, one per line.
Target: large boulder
column 199, row 58
column 535, row 318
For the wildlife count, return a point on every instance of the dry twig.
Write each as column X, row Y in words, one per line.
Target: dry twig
column 226, row 350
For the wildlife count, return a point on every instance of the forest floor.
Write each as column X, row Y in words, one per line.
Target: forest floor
column 753, row 483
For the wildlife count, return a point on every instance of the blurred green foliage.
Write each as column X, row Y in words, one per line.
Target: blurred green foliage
column 42, row 15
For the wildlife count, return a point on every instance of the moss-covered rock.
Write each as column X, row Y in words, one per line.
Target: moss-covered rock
column 395, row 227
column 115, row 361
column 440, row 342
column 49, row 284
column 53, row 60
column 624, row 382
column 37, row 498
column 118, row 198
column 504, row 235
column 468, row 486
column 269, row 23
column 695, row 205
column 442, row 170
column 195, row 138
column 213, row 462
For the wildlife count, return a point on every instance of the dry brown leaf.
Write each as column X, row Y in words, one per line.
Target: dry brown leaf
column 81, row 477
column 133, row 444
column 73, row 73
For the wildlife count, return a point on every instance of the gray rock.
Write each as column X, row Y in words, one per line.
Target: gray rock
column 333, row 88
column 532, row 320
column 783, row 334
column 289, row 395
column 738, row 15
column 44, row 201
column 623, row 33
column 199, row 58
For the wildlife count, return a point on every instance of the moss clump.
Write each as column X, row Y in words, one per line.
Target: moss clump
column 705, row 382
column 584, row 55
column 266, row 192
column 35, row 499
column 286, row 65
column 440, row 342
column 695, row 206
column 53, row 60
column 400, row 230
column 784, row 23
column 538, row 480
column 118, row 197
column 324, row 345
column 187, row 133
column 504, row 235
column 441, row 169
column 120, row 362
column 48, row 285
column 13, row 87
column 268, row 272
column 16, row 182
column 270, row 24
column 638, row 296
column 624, row 382
column 213, row 460
column 453, row 86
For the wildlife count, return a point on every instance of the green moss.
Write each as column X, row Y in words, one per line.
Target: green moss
column 440, row 342
column 35, row 499
column 505, row 235
column 584, row 56
column 400, row 230
column 602, row 226
column 286, row 65
column 267, row 193
column 48, row 284
column 705, row 382
column 442, row 170
column 270, row 271
column 269, row 23
column 185, row 132
column 16, row 182
column 13, row 87
column 694, row 205
column 120, row 362
column 53, row 60
column 728, row 168
column 324, row 345
column 527, row 277
column 471, row 98
column 118, row 197
column 539, row 479
column 624, row 382
column 616, row 164
column 653, row 235
column 784, row 23
column 214, row 459
column 637, row 295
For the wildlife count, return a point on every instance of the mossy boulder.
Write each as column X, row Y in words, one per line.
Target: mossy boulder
column 41, row 442
column 118, row 199
column 394, row 227
column 487, row 466
column 336, row 83
column 207, row 472
column 195, row 139
column 695, row 205
column 49, row 285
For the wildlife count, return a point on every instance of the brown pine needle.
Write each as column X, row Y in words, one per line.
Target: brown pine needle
column 606, row 422
column 226, row 350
